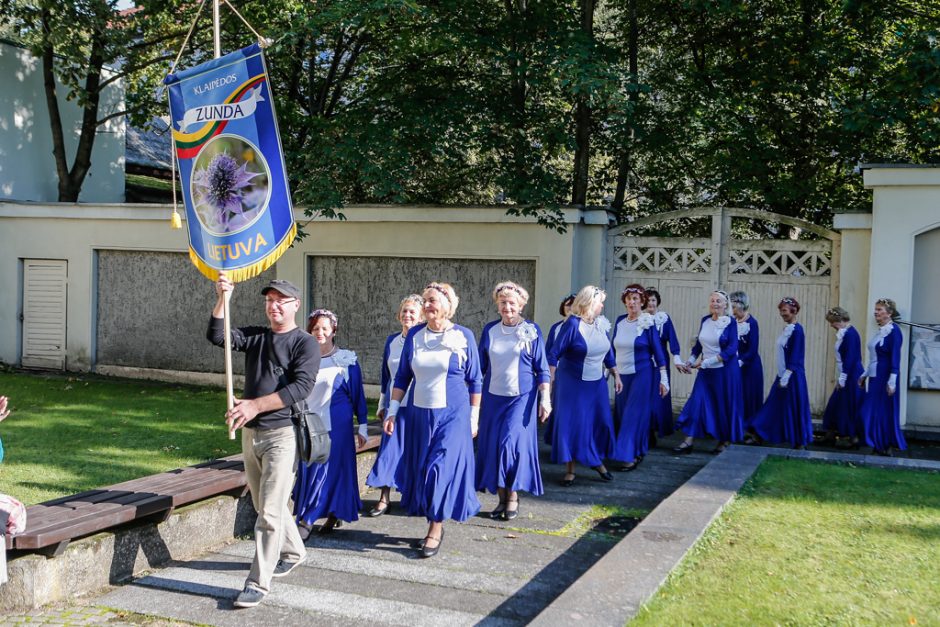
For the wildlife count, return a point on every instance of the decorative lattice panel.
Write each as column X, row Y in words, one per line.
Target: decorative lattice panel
column 637, row 257
column 794, row 263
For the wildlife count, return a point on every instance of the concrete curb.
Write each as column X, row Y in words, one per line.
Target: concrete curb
column 612, row 591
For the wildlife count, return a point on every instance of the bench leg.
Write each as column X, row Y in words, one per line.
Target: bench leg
column 55, row 550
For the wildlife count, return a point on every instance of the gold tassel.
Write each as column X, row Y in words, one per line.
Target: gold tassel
column 175, row 221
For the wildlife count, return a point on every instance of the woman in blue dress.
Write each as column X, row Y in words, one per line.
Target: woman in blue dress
column 640, row 364
column 881, row 406
column 752, row 370
column 441, row 362
column 582, row 428
column 331, row 489
column 842, row 416
column 564, row 310
column 516, row 384
column 786, row 416
column 390, row 448
column 662, row 423
column 716, row 405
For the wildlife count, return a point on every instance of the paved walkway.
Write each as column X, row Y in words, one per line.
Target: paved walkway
column 487, row 572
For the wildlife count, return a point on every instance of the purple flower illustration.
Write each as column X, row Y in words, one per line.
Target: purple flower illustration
column 220, row 190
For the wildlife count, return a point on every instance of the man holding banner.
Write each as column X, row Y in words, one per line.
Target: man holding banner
column 268, row 444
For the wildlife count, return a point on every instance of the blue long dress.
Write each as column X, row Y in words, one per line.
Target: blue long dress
column 716, row 405
column 549, row 339
column 881, row 414
column 786, row 415
column 662, row 405
column 582, row 430
column 843, row 411
column 437, row 470
column 752, row 370
column 391, row 446
column 333, row 487
column 513, row 365
column 639, row 354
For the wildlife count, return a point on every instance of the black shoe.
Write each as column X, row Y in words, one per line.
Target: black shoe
column 249, row 597
column 426, row 552
column 628, row 467
column 499, row 511
column 304, row 530
column 284, row 567
column 718, row 450
column 567, row 483
column 653, row 439
column 378, row 510
column 603, row 474
column 683, row 449
column 511, row 514
column 332, row 522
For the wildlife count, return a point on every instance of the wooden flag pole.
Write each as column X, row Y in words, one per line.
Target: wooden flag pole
column 227, row 324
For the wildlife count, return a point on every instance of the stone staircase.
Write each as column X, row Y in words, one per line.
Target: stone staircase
column 487, row 573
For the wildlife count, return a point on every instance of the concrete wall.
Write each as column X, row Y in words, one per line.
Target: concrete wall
column 905, row 206
column 134, row 300
column 27, row 167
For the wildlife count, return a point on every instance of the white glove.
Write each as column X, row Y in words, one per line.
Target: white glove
column 785, row 379
column 893, row 382
column 364, row 430
column 740, row 363
column 677, row 360
column 545, row 401
column 664, row 379
column 392, row 409
column 842, row 379
column 872, row 369
column 474, row 418
column 381, row 403
column 711, row 361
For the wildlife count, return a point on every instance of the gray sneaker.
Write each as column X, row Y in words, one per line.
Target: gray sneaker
column 249, row 597
column 285, row 566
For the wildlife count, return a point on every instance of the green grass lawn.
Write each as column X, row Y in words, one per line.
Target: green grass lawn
column 73, row 433
column 814, row 544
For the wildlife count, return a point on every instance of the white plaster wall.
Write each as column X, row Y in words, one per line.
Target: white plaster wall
column 906, row 203
column 27, row 167
column 75, row 232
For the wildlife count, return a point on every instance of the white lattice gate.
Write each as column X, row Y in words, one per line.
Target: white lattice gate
column 686, row 270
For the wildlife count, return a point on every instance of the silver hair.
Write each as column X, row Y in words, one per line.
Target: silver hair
column 740, row 299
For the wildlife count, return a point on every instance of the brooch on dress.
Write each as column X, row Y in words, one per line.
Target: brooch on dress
column 602, row 324
column 743, row 329
column 527, row 333
column 456, row 342
column 643, row 322
column 884, row 332
column 344, row 359
column 722, row 322
column 660, row 318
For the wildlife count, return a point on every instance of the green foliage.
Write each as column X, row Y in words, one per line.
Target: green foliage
column 813, row 544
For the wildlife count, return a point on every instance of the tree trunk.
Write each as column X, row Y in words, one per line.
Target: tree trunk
column 625, row 165
column 582, row 119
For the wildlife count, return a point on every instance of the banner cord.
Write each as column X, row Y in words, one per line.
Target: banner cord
column 192, row 27
column 262, row 41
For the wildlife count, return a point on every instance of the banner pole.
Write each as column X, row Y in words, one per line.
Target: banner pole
column 216, row 29
column 227, row 325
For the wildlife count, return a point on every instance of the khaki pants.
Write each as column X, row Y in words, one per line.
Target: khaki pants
column 270, row 460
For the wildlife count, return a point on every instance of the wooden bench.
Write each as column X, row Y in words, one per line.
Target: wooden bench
column 51, row 525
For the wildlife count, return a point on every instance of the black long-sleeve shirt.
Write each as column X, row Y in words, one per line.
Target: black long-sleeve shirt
column 298, row 354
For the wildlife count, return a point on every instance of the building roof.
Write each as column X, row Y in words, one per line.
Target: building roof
column 149, row 146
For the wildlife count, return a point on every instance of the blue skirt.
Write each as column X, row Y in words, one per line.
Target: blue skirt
column 843, row 411
column 507, row 444
column 715, row 406
column 662, row 407
column 752, row 387
column 331, row 487
column 435, row 477
column 633, row 409
column 389, row 456
column 582, row 429
column 881, row 416
column 786, row 416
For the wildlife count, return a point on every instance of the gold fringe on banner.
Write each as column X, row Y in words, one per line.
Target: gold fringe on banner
column 237, row 275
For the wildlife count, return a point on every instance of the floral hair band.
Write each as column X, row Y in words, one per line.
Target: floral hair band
column 512, row 288
column 789, row 301
column 631, row 290
column 324, row 313
column 437, row 287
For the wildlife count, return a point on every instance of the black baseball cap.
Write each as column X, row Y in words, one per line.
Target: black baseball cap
column 284, row 287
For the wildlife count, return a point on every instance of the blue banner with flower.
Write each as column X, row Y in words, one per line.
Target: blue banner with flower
column 238, row 207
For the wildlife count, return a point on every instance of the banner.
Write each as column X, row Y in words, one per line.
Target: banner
column 238, row 207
